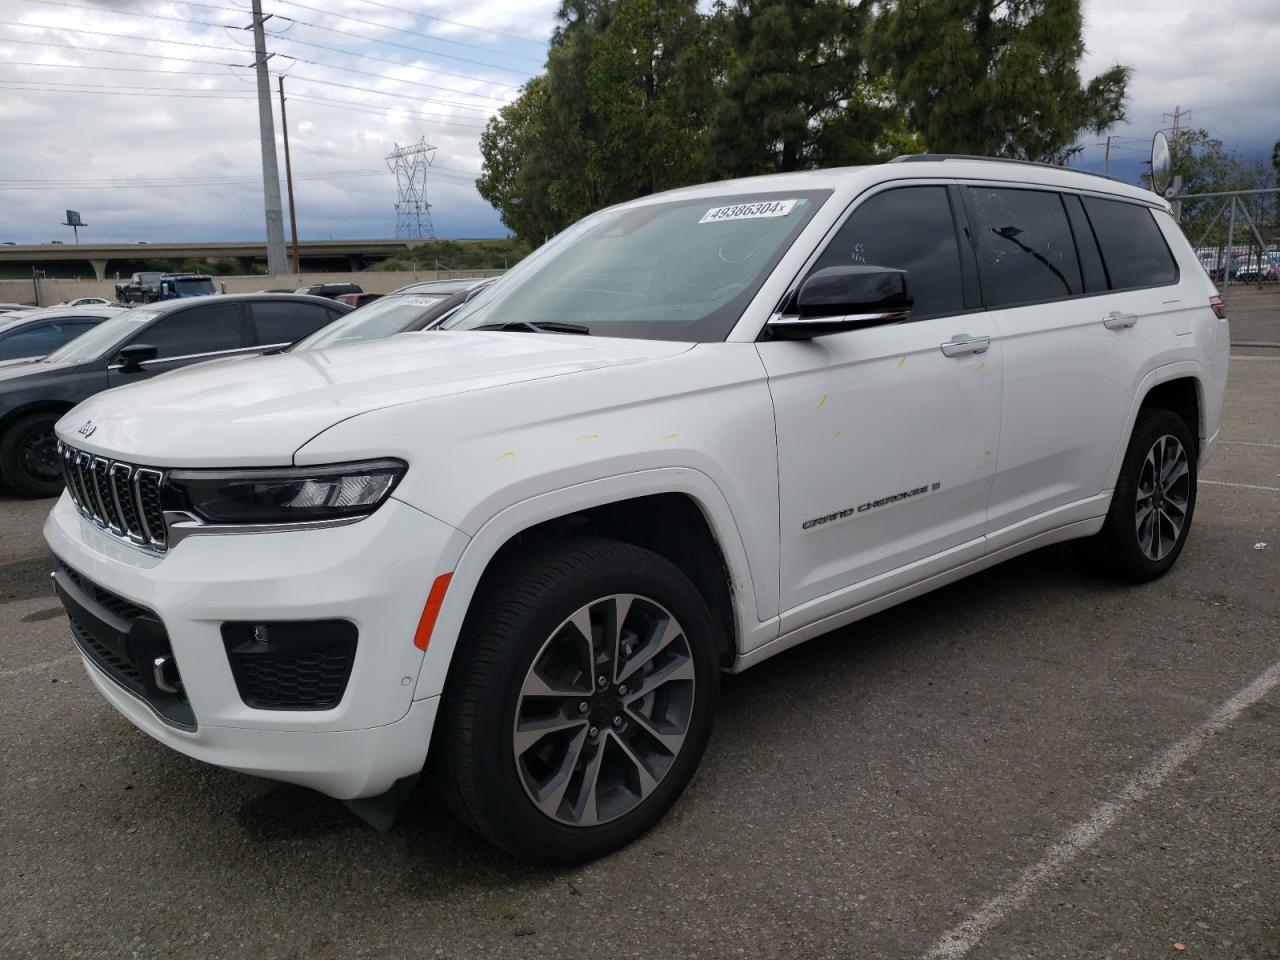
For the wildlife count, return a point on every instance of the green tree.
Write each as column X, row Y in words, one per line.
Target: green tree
column 619, row 113
column 796, row 91
column 994, row 78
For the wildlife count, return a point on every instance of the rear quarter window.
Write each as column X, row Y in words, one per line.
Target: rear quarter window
column 1133, row 248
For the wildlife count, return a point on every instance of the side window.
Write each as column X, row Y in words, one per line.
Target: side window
column 283, row 321
column 206, row 329
column 33, row 341
column 909, row 228
column 1132, row 246
column 1025, row 249
column 1095, row 277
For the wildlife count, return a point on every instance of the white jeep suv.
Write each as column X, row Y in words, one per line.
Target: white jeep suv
column 688, row 433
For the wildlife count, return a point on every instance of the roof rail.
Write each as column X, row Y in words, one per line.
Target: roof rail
column 925, row 157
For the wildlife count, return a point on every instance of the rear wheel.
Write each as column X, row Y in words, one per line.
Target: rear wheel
column 580, row 700
column 1153, row 502
column 29, row 456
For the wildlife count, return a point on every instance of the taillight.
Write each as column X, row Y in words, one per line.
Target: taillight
column 1219, row 311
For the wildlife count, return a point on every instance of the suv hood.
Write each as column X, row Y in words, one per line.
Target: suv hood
column 257, row 412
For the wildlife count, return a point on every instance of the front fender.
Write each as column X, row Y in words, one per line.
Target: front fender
column 500, row 528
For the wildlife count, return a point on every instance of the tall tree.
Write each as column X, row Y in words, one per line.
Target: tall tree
column 620, row 112
column 796, row 92
column 994, row 77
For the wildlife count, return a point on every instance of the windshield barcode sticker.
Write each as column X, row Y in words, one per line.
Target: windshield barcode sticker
column 750, row 211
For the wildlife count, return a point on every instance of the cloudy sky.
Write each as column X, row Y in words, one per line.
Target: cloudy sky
column 142, row 115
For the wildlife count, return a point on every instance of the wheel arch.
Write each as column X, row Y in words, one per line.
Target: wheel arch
column 1178, row 387
column 678, row 513
column 9, row 417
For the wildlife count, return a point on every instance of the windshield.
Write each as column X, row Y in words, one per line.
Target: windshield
column 682, row 270
column 194, row 287
column 379, row 319
column 103, row 338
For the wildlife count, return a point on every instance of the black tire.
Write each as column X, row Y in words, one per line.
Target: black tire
column 519, row 609
column 1117, row 550
column 28, row 456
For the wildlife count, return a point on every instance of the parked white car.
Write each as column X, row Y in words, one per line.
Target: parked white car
column 688, row 433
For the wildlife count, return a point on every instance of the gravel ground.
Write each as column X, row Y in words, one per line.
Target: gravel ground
column 975, row 773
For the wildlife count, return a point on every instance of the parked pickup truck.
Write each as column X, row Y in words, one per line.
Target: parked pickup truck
column 152, row 286
column 688, row 433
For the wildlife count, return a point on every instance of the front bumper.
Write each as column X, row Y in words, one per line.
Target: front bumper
column 375, row 573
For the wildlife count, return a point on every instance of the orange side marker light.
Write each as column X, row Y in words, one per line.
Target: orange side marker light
column 432, row 610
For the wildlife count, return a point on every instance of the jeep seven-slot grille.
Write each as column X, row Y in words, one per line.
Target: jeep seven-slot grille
column 121, row 498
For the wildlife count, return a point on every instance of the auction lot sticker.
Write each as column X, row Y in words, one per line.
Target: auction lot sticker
column 750, row 211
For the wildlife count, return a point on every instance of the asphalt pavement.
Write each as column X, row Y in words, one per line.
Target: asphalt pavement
column 1032, row 762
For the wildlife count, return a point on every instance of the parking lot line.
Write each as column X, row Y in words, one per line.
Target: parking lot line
column 958, row 941
column 1242, row 486
column 1249, row 443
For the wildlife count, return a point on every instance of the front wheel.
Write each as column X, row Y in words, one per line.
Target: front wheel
column 29, row 456
column 1153, row 502
column 580, row 700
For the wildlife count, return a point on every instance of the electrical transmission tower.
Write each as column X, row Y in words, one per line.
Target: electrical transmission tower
column 413, row 212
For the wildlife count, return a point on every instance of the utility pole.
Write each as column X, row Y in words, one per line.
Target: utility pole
column 1106, row 159
column 277, row 262
column 288, row 175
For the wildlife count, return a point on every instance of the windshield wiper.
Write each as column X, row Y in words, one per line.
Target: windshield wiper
column 542, row 326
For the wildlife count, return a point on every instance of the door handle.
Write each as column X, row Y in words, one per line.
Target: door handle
column 962, row 344
column 1119, row 321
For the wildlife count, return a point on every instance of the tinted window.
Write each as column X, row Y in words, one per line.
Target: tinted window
column 1095, row 277
column 1025, row 249
column 911, row 229
column 198, row 330
column 285, row 322
column 1132, row 246
column 36, row 341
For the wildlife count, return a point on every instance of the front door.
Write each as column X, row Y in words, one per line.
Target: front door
column 887, row 435
column 185, row 337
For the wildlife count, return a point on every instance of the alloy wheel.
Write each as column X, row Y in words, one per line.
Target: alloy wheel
column 604, row 710
column 1164, row 491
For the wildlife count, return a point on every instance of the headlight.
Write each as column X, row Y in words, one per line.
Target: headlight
column 283, row 494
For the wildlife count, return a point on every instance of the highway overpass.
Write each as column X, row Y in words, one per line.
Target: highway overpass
column 104, row 260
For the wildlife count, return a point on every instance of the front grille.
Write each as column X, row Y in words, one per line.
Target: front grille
column 122, row 608
column 127, row 642
column 299, row 665
column 123, row 499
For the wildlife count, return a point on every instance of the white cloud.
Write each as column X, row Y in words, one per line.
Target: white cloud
column 109, row 129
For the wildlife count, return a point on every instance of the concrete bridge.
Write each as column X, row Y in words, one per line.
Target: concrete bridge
column 107, row 259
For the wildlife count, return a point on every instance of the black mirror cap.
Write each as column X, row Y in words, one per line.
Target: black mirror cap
column 132, row 356
column 852, row 289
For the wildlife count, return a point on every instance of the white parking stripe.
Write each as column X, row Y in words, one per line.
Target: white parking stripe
column 958, row 941
column 1249, row 443
column 1242, row 486
column 36, row 667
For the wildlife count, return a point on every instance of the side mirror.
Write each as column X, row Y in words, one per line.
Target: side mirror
column 834, row 299
column 135, row 355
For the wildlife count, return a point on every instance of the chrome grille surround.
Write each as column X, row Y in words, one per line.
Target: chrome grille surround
column 120, row 498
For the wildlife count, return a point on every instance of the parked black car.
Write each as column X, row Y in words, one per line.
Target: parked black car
column 417, row 308
column 331, row 290
column 130, row 346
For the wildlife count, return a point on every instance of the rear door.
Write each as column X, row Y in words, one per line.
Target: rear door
column 186, row 336
column 278, row 323
column 887, row 435
column 1073, row 351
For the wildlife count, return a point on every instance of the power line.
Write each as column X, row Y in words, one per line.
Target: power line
column 455, row 23
column 114, row 53
column 341, row 105
column 388, row 93
column 41, row 86
column 78, row 66
column 305, row 43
